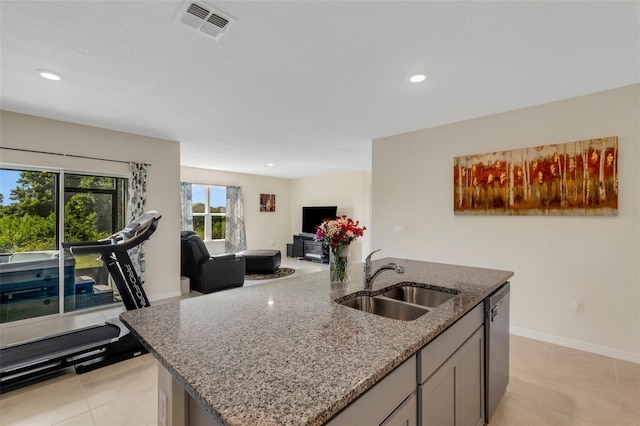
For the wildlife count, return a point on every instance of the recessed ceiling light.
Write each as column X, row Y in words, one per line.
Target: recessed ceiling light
column 417, row 78
column 271, row 164
column 49, row 75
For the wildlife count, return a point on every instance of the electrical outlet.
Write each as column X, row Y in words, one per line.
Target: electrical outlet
column 162, row 408
column 578, row 305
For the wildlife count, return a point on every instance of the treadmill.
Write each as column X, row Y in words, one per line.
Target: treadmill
column 91, row 347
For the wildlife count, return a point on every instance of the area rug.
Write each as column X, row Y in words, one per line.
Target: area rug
column 279, row 273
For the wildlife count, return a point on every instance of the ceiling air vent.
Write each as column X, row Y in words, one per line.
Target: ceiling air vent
column 204, row 18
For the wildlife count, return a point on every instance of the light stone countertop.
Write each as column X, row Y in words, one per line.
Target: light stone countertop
column 284, row 353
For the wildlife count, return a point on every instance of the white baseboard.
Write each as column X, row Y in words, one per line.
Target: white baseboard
column 577, row 344
column 166, row 295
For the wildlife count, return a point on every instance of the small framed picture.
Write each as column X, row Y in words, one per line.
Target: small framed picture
column 267, row 202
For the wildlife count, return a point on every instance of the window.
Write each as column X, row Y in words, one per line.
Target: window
column 209, row 222
column 31, row 203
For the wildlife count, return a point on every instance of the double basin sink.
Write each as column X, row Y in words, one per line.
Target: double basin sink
column 404, row 301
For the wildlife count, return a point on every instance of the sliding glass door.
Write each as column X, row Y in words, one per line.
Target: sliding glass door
column 35, row 206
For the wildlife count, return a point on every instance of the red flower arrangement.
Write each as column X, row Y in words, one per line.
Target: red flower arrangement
column 340, row 231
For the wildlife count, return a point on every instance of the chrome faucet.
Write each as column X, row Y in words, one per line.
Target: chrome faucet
column 369, row 277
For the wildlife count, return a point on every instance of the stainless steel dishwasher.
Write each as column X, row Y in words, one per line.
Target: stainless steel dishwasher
column 496, row 355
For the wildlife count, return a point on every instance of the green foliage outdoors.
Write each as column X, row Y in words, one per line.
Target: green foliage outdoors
column 89, row 261
column 29, row 222
column 80, row 218
column 27, row 233
column 218, row 223
column 218, row 228
column 101, row 204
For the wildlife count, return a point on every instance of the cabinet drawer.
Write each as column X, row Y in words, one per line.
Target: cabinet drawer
column 436, row 353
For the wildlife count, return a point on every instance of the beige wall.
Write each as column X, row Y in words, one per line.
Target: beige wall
column 555, row 259
column 265, row 230
column 163, row 191
column 351, row 192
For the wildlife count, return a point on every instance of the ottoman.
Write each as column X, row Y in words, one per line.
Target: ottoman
column 261, row 261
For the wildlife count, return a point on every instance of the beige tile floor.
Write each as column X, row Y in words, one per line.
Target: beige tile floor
column 121, row 394
column 549, row 385
column 552, row 385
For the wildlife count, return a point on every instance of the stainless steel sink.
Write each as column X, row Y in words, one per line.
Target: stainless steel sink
column 419, row 295
column 386, row 307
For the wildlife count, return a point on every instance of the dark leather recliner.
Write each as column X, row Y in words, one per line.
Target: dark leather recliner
column 208, row 273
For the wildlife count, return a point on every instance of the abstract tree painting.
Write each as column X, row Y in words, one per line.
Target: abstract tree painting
column 267, row 202
column 570, row 179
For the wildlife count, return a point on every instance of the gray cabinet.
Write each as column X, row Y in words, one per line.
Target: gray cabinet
column 405, row 414
column 437, row 397
column 452, row 394
column 391, row 402
column 450, row 384
column 470, row 381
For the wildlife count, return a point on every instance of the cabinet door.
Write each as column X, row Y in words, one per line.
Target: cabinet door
column 405, row 415
column 470, row 381
column 454, row 394
column 438, row 396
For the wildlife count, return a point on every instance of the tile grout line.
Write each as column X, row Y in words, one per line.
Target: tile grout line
column 574, row 414
column 546, row 364
column 119, row 398
column 544, row 370
column 86, row 400
column 615, row 369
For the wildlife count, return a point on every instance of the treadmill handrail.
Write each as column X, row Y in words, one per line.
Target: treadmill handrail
column 85, row 243
column 111, row 244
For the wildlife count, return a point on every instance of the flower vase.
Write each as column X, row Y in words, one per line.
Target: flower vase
column 339, row 264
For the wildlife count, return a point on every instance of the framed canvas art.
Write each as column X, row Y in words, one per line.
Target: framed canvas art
column 575, row 178
column 267, row 202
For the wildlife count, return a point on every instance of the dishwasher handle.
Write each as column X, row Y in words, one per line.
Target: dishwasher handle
column 495, row 300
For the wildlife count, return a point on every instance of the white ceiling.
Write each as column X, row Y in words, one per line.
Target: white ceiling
column 306, row 84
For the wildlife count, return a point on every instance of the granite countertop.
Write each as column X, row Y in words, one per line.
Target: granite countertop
column 284, row 353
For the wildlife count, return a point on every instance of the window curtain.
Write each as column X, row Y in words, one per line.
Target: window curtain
column 187, row 206
column 135, row 208
column 235, row 238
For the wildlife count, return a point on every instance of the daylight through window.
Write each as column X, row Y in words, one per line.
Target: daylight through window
column 209, row 211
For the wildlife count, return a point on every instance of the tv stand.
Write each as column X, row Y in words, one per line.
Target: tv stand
column 305, row 247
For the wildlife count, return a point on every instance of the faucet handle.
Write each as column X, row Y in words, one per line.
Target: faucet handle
column 368, row 259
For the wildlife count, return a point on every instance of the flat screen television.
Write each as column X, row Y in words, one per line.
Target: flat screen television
column 313, row 216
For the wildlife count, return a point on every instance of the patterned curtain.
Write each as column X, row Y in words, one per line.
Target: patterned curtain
column 186, row 219
column 235, row 238
column 135, row 208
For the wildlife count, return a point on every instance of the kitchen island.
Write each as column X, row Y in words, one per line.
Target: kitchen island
column 285, row 353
